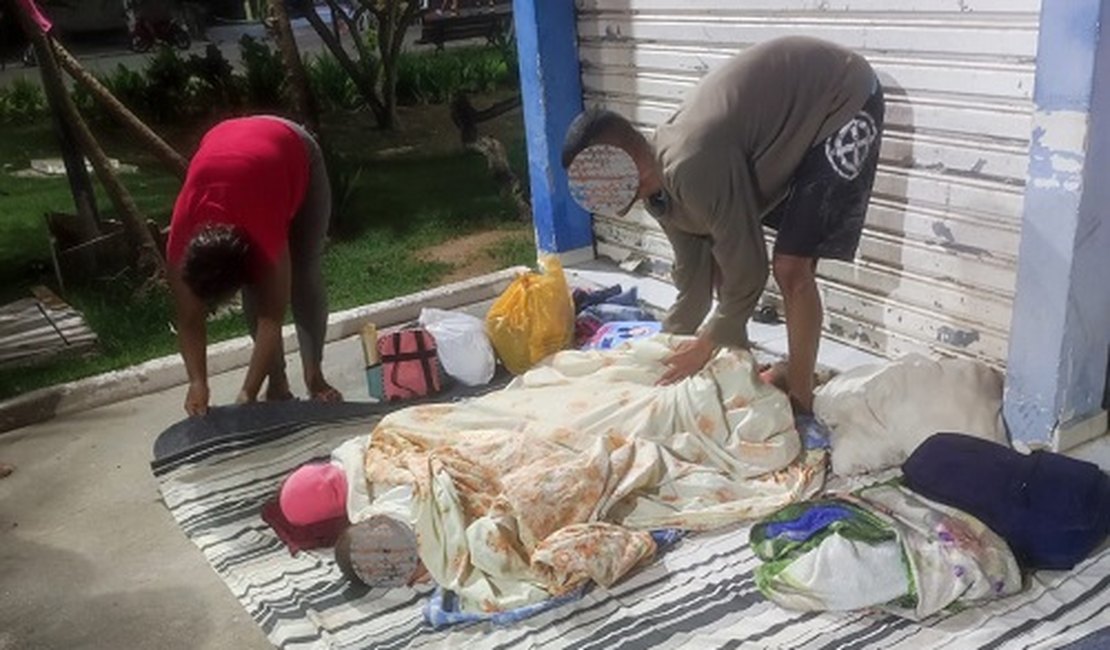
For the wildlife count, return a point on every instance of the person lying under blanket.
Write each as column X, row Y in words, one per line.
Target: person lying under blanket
column 528, row 493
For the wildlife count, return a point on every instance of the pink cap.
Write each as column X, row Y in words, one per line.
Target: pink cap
column 314, row 493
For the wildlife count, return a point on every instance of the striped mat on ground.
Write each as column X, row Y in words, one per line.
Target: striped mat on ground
column 215, row 475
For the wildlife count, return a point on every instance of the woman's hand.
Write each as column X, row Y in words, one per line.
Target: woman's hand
column 687, row 360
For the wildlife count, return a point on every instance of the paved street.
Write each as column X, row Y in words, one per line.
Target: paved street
column 105, row 55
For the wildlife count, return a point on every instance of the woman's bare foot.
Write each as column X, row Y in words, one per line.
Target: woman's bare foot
column 318, row 388
column 322, row 391
column 277, row 389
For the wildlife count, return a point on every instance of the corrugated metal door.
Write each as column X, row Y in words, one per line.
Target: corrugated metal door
column 936, row 267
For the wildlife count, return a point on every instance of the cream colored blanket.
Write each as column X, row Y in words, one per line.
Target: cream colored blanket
column 529, row 492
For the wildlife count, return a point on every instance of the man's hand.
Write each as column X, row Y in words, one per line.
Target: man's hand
column 687, row 360
column 196, row 400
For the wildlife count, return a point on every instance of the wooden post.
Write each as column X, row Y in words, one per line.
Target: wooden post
column 169, row 157
column 67, row 113
column 84, row 199
column 294, row 67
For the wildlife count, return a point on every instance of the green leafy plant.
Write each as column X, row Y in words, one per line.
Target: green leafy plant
column 344, row 176
column 168, row 86
column 331, row 84
column 215, row 82
column 434, row 77
column 265, row 74
column 128, row 86
column 22, row 102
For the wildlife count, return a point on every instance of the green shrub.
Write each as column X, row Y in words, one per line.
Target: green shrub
column 86, row 104
column 128, row 86
column 215, row 83
column 265, row 84
column 22, row 102
column 169, row 87
column 433, row 77
column 343, row 176
column 331, row 84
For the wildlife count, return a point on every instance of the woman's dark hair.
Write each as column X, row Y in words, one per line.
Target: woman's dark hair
column 216, row 263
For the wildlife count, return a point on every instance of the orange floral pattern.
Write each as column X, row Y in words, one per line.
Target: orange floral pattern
column 527, row 492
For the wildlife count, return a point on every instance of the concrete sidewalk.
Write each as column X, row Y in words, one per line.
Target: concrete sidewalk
column 89, row 555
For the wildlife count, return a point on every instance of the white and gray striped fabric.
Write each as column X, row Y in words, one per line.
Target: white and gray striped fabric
column 699, row 595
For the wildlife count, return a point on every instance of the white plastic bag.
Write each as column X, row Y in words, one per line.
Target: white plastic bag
column 464, row 349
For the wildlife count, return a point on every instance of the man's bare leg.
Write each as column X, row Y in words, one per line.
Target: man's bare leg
column 797, row 279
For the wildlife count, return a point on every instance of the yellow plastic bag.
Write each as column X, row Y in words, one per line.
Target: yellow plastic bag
column 533, row 318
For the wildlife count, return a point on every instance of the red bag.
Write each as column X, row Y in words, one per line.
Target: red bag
column 410, row 364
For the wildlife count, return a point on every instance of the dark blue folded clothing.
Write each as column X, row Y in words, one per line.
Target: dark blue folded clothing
column 584, row 298
column 613, row 295
column 1052, row 510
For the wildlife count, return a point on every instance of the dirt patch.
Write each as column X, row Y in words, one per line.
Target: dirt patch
column 469, row 255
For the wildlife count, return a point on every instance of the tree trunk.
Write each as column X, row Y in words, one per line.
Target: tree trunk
column 498, row 162
column 294, row 67
column 169, row 157
column 389, row 119
column 393, row 22
column 364, row 80
column 84, row 198
column 467, row 118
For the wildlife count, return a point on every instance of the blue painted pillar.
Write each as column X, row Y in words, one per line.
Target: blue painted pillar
column 551, row 85
column 1060, row 336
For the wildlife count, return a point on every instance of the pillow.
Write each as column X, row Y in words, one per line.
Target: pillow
column 878, row 414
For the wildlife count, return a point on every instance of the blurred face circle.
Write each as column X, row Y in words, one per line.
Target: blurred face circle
column 603, row 179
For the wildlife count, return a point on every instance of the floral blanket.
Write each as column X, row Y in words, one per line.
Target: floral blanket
column 527, row 493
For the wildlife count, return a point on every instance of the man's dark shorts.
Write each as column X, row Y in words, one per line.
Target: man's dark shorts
column 822, row 215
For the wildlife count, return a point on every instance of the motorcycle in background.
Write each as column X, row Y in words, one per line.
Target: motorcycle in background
column 154, row 22
column 168, row 31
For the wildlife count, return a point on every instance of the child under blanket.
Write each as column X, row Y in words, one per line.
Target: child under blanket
column 529, row 492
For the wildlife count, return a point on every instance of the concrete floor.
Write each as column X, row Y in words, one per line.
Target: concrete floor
column 89, row 555
column 90, row 558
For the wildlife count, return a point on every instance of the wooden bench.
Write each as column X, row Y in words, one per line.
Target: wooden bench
column 491, row 23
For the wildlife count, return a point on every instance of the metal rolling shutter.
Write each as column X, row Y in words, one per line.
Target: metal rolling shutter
column 936, row 267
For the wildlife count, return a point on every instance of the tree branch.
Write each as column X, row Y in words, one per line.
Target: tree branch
column 364, row 81
column 294, row 68
column 351, row 22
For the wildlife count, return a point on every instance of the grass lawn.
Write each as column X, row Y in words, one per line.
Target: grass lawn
column 416, row 192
